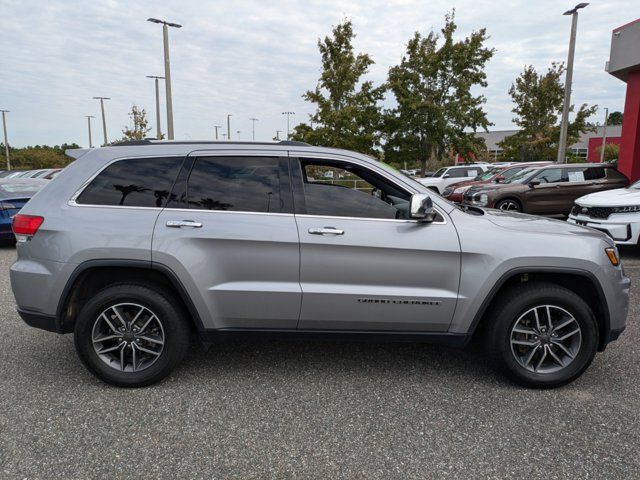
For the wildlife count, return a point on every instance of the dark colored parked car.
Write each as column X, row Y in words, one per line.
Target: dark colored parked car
column 547, row 190
column 14, row 193
column 499, row 174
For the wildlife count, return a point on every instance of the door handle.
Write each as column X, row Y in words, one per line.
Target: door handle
column 325, row 231
column 183, row 223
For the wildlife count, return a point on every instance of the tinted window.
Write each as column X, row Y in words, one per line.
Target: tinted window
column 351, row 191
column 457, row 172
column 136, row 182
column 594, row 173
column 241, row 184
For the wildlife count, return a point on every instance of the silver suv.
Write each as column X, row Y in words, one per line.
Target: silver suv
column 133, row 247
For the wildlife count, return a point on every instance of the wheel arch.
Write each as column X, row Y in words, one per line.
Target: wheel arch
column 94, row 275
column 581, row 282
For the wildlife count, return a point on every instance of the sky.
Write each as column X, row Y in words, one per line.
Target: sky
column 256, row 58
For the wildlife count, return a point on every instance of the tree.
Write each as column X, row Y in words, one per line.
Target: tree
column 615, row 118
column 40, row 156
column 140, row 127
column 436, row 112
column 347, row 111
column 537, row 107
column 611, row 152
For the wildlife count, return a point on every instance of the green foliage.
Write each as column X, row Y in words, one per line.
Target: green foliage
column 38, row 156
column 537, row 107
column 611, row 152
column 347, row 113
column 436, row 111
column 615, row 118
column 140, row 127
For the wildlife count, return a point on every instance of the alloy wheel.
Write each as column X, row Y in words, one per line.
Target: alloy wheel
column 128, row 337
column 509, row 205
column 545, row 339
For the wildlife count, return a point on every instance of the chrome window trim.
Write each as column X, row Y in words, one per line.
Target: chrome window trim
column 242, row 212
column 369, row 219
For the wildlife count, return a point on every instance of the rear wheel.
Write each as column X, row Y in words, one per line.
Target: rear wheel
column 542, row 335
column 509, row 204
column 131, row 335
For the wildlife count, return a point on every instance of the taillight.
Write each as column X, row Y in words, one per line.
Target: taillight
column 26, row 224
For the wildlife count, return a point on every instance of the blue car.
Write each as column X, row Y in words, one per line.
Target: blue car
column 14, row 193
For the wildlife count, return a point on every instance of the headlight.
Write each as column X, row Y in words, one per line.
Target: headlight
column 480, row 199
column 447, row 191
column 462, row 189
column 626, row 209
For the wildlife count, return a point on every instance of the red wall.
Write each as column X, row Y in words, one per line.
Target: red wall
column 594, row 147
column 629, row 161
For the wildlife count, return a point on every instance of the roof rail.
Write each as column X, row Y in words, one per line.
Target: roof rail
column 153, row 141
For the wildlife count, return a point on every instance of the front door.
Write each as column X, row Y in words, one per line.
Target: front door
column 364, row 264
column 229, row 234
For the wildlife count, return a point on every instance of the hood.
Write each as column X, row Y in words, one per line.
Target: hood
column 429, row 180
column 534, row 224
column 620, row 197
column 469, row 183
column 496, row 186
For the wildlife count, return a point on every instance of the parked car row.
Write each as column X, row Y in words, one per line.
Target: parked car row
column 43, row 173
column 14, row 193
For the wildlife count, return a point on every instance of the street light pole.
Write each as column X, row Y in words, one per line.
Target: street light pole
column 158, row 129
column 89, row 117
column 604, row 134
column 288, row 114
column 217, row 127
column 253, row 128
column 229, row 127
column 167, row 71
column 104, row 122
column 6, row 141
column 278, row 132
column 562, row 144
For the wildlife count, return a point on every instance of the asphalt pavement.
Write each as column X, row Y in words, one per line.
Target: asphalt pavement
column 270, row 409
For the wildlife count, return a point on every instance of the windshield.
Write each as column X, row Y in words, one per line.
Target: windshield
column 440, row 172
column 521, row 175
column 19, row 189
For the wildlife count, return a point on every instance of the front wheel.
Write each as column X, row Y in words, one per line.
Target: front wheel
column 543, row 335
column 131, row 335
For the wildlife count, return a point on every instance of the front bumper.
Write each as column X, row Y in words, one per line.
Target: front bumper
column 624, row 229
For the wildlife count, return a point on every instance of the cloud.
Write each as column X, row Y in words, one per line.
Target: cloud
column 256, row 59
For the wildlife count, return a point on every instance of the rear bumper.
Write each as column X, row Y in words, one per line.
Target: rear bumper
column 40, row 320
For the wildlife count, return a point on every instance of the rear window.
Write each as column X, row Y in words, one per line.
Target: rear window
column 134, row 182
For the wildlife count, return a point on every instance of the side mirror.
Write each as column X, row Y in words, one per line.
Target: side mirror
column 446, row 175
column 499, row 179
column 533, row 183
column 422, row 208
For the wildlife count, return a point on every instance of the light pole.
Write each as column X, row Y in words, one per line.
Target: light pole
column 89, row 117
column 238, row 134
column 229, row 127
column 6, row 142
column 167, row 71
column 253, row 128
column 158, row 129
column 224, row 136
column 278, row 132
column 604, row 134
column 562, row 145
column 104, row 122
column 217, row 127
column 288, row 114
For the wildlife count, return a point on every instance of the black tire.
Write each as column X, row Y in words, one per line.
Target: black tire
column 516, row 206
column 170, row 315
column 518, row 300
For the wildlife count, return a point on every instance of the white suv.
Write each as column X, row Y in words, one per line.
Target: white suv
column 615, row 212
column 449, row 175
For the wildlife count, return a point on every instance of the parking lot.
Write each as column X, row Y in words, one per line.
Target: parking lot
column 260, row 409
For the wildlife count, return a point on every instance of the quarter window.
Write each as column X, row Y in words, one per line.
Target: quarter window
column 134, row 182
column 241, row 184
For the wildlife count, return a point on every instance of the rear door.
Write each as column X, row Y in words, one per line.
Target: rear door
column 364, row 264
column 229, row 233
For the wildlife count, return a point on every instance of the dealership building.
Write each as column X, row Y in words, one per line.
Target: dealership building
column 587, row 147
